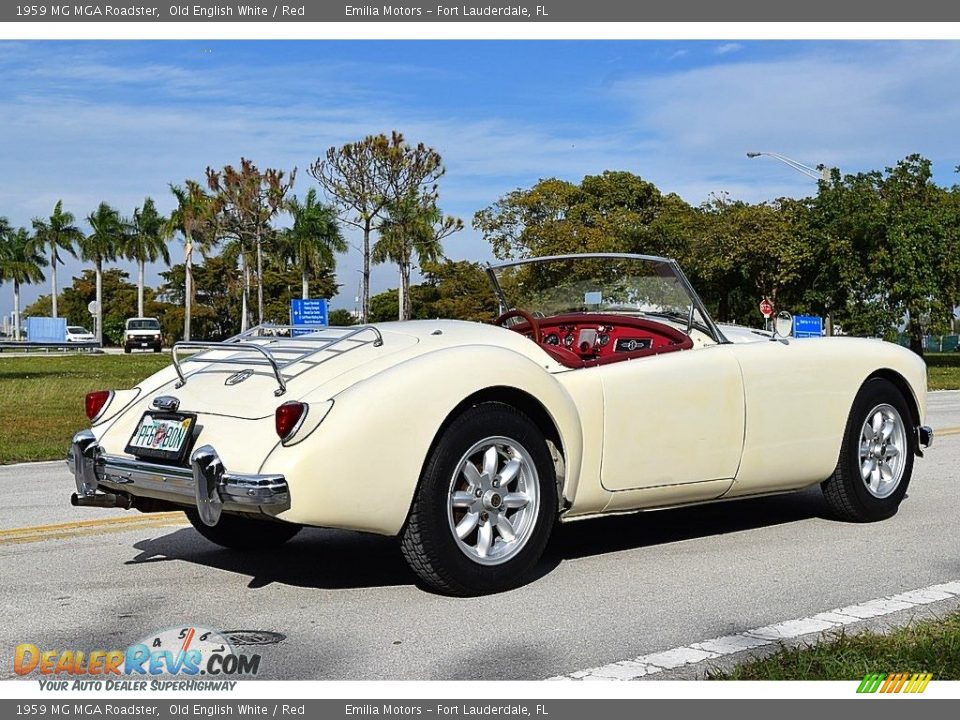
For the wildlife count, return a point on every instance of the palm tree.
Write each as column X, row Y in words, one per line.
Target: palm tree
column 146, row 243
column 192, row 216
column 102, row 245
column 20, row 263
column 413, row 225
column 314, row 237
column 57, row 233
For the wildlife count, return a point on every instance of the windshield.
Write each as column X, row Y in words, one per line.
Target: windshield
column 77, row 330
column 611, row 284
column 144, row 324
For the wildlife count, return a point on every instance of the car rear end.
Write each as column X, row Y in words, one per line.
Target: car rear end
column 200, row 432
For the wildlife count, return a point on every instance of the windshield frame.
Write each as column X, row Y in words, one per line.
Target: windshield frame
column 713, row 329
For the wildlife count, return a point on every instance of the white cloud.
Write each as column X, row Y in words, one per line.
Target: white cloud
column 727, row 48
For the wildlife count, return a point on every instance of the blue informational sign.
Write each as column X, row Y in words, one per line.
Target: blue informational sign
column 308, row 312
column 807, row 326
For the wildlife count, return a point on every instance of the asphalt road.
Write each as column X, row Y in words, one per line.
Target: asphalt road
column 348, row 607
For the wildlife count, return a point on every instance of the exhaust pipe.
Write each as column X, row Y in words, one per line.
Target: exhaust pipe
column 102, row 500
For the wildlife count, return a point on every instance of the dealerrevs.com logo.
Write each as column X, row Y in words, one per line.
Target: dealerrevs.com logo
column 203, row 659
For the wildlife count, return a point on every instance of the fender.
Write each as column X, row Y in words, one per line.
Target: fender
column 390, row 422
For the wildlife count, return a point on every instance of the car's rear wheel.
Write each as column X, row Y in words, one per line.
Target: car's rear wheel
column 242, row 533
column 486, row 504
column 876, row 459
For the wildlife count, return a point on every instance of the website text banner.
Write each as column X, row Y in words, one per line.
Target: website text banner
column 476, row 709
column 577, row 11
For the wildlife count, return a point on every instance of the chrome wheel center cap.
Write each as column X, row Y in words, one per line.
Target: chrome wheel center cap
column 492, row 500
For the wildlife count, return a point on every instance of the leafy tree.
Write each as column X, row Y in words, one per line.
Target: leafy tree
column 314, row 238
column 57, row 233
column 195, row 220
column 246, row 200
column 216, row 285
column 461, row 290
column 889, row 250
column 611, row 212
column 146, row 243
column 414, row 226
column 383, row 306
column 21, row 261
column 365, row 176
column 103, row 244
column 743, row 252
column 341, row 318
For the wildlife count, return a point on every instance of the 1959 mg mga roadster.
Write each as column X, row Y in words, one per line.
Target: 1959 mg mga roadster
column 604, row 387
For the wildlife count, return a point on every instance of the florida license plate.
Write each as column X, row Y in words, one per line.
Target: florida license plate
column 164, row 436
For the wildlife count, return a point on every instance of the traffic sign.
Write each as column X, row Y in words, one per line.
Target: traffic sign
column 308, row 312
column 766, row 308
column 807, row 326
column 93, row 307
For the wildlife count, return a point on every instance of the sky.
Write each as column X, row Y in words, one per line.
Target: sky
column 118, row 121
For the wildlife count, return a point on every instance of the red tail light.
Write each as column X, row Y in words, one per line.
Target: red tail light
column 288, row 417
column 96, row 402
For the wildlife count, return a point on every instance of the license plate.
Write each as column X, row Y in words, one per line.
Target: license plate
column 164, row 436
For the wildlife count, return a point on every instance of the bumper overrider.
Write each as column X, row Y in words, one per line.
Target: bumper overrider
column 119, row 481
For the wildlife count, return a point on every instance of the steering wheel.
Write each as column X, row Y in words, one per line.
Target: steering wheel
column 524, row 315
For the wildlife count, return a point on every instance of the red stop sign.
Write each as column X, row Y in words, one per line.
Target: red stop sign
column 766, row 308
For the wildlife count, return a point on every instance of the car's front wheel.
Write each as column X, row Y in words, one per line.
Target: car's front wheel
column 876, row 459
column 485, row 506
column 237, row 532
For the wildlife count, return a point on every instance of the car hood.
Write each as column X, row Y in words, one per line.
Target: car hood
column 241, row 384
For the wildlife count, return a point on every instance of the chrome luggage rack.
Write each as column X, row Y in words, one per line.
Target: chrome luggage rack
column 279, row 347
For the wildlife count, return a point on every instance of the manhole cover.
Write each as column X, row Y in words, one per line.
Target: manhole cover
column 253, row 637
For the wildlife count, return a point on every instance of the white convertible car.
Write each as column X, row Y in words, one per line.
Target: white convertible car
column 604, row 387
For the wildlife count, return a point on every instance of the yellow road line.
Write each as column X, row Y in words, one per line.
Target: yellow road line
column 81, row 528
column 945, row 431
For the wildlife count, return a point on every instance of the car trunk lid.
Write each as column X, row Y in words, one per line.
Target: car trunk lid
column 241, row 379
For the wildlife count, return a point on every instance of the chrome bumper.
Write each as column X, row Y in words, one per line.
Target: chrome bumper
column 206, row 484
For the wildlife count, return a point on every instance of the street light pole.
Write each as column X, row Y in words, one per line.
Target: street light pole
column 820, row 172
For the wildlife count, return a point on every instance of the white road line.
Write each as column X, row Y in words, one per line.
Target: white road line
column 654, row 663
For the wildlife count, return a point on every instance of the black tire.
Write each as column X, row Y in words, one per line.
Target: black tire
column 427, row 541
column 846, row 491
column 242, row 533
column 157, row 349
column 126, row 350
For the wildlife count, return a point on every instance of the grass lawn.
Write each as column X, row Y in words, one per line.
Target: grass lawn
column 41, row 398
column 931, row 646
column 943, row 370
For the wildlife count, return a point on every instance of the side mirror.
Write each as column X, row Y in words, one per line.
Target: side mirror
column 782, row 326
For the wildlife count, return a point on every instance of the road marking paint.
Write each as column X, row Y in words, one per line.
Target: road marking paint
column 80, row 528
column 658, row 662
column 946, row 431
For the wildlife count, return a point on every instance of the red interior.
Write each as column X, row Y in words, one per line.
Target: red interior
column 618, row 330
